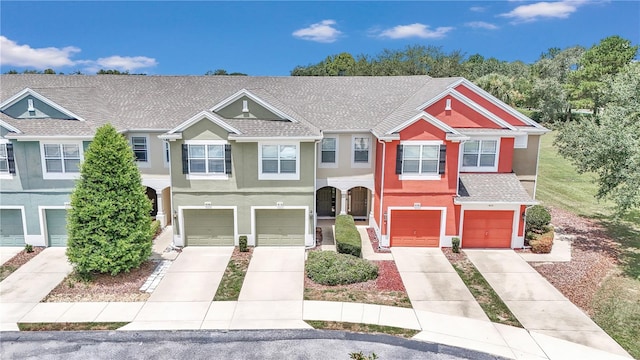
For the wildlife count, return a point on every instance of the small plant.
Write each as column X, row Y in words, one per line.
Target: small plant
column 28, row 248
column 329, row 268
column 538, row 219
column 361, row 356
column 242, row 244
column 455, row 245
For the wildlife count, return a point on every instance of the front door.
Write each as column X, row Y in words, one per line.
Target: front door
column 326, row 202
column 358, row 198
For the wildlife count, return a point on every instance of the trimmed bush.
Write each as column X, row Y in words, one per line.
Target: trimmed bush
column 538, row 219
column 242, row 243
column 347, row 236
column 543, row 244
column 329, row 268
column 155, row 228
column 455, row 245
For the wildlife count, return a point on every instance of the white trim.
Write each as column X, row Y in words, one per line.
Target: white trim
column 170, row 137
column 493, row 168
column 309, row 240
column 24, row 218
column 418, row 176
column 166, row 153
column 43, row 223
column 181, row 209
column 244, row 92
column 428, row 118
column 519, row 143
column 201, row 116
column 7, row 175
column 279, row 176
column 140, row 163
column 270, row 138
column 22, row 94
column 50, row 137
column 443, row 219
column 207, row 176
column 361, row 165
column 61, row 175
column 333, row 164
column 9, row 127
column 516, row 241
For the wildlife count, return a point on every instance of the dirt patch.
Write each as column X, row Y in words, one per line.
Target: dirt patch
column 593, row 258
column 363, row 328
column 123, row 287
column 375, row 243
column 387, row 289
column 18, row 260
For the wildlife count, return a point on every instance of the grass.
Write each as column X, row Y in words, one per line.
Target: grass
column 71, row 326
column 6, row 270
column 617, row 304
column 362, row 328
column 231, row 283
column 346, row 294
column 484, row 294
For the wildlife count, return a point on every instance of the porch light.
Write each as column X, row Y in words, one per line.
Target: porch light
column 207, row 204
column 417, row 205
column 279, row 204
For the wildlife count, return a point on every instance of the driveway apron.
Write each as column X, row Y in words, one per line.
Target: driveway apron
column 24, row 288
column 538, row 305
column 433, row 284
column 272, row 292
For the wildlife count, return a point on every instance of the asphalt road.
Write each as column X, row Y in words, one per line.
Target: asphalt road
column 265, row 344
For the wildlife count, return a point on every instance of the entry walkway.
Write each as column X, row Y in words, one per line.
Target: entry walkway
column 538, row 305
column 21, row 291
column 433, row 284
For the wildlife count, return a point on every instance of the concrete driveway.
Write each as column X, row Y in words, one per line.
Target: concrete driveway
column 22, row 290
column 538, row 305
column 433, row 284
column 272, row 292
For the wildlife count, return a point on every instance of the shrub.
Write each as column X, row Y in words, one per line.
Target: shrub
column 542, row 244
column 347, row 236
column 455, row 245
column 155, row 228
column 538, row 218
column 329, row 268
column 242, row 243
column 361, row 356
column 28, row 248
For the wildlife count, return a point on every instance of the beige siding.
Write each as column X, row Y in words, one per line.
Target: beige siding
column 344, row 156
column 525, row 161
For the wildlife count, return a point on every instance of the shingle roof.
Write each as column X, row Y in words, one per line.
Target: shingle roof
column 494, row 188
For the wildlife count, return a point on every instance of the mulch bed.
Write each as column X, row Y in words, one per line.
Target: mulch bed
column 593, row 258
column 104, row 287
column 375, row 243
column 18, row 260
column 387, row 289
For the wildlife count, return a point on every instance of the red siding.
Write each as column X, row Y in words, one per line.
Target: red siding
column 461, row 115
column 422, row 130
column 505, row 162
column 482, row 101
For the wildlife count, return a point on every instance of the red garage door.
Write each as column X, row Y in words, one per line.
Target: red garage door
column 415, row 228
column 487, row 229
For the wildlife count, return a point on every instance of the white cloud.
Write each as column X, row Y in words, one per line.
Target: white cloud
column 323, row 32
column 477, row 8
column 13, row 54
column 415, row 30
column 540, row 10
column 41, row 58
column 481, row 25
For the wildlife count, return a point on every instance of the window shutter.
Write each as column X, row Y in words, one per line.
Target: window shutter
column 185, row 158
column 10, row 159
column 227, row 159
column 399, row 159
column 443, row 159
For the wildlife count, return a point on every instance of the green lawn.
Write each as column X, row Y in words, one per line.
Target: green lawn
column 617, row 304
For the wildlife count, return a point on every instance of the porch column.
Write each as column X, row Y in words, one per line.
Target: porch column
column 160, row 214
column 372, row 204
column 343, row 202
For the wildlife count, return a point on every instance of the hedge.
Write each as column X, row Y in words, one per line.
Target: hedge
column 347, row 236
column 329, row 268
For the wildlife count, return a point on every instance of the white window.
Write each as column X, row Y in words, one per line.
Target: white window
column 4, row 159
column 167, row 157
column 61, row 160
column 140, row 148
column 278, row 161
column 421, row 160
column 329, row 152
column 206, row 159
column 361, row 156
column 480, row 155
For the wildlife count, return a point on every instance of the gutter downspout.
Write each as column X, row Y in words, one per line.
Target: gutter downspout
column 384, row 159
column 315, row 185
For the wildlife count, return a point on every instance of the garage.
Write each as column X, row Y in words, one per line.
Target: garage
column 280, row 227
column 56, row 221
column 487, row 229
column 11, row 227
column 209, row 227
column 416, row 228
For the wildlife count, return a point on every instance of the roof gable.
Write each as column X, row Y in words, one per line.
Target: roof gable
column 29, row 104
column 201, row 116
column 246, row 105
column 451, row 133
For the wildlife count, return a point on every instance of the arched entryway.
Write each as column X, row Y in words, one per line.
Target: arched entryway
column 358, row 204
column 326, row 206
column 151, row 194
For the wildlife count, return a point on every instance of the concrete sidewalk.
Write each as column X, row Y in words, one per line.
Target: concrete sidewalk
column 7, row 252
column 433, row 284
column 538, row 305
column 24, row 288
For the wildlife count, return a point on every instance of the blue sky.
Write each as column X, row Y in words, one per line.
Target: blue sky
column 271, row 38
